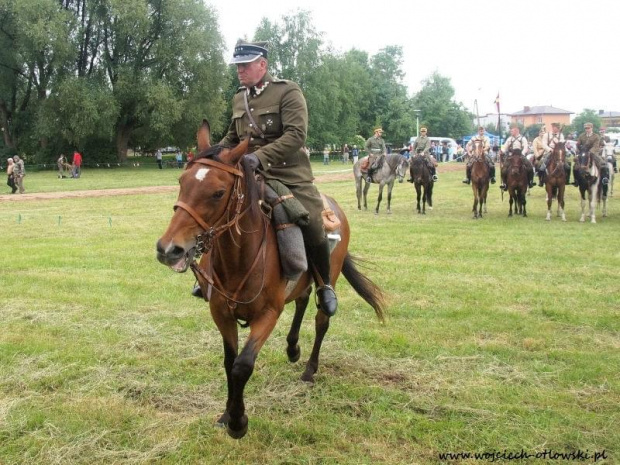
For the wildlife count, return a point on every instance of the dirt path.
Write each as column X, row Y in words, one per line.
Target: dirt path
column 443, row 168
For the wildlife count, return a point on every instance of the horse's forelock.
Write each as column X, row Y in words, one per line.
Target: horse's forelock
column 212, row 153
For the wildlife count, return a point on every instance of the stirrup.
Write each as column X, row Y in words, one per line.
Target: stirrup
column 493, row 180
column 466, row 181
column 369, row 179
column 503, row 187
column 435, row 178
column 326, row 300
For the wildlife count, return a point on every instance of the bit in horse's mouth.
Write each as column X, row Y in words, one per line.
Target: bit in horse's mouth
column 183, row 264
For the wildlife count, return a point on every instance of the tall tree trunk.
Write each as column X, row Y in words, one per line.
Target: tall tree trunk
column 4, row 125
column 122, row 141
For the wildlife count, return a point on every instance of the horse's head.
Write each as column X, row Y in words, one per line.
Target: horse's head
column 210, row 198
column 402, row 168
column 559, row 152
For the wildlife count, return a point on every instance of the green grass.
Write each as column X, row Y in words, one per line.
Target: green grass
column 503, row 333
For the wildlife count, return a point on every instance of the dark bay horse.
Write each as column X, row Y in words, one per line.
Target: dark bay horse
column 218, row 214
column 586, row 170
column 517, row 182
column 394, row 166
column 423, row 182
column 555, row 179
column 480, row 178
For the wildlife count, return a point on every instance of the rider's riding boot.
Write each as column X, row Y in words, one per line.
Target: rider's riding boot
column 369, row 175
column 467, row 179
column 492, row 173
column 326, row 296
column 575, row 182
column 567, row 172
column 541, row 178
column 503, row 186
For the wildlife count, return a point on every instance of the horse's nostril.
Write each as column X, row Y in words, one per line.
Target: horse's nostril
column 160, row 247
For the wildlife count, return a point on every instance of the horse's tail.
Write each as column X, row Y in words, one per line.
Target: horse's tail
column 366, row 289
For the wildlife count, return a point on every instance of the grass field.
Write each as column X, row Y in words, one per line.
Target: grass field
column 503, row 335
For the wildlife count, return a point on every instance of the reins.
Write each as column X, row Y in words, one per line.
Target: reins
column 205, row 241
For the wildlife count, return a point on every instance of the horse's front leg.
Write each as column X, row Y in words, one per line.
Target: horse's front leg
column 292, row 340
column 379, row 198
column 228, row 330
column 242, row 369
column 523, row 204
column 358, row 193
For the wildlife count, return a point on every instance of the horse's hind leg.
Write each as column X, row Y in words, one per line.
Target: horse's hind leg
column 292, row 348
column 321, row 324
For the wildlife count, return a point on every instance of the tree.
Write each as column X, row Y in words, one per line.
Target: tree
column 442, row 115
column 586, row 116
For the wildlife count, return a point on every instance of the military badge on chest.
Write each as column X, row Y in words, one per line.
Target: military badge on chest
column 267, row 124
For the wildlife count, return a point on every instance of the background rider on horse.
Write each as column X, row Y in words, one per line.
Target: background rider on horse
column 375, row 146
column 422, row 147
column 549, row 139
column 517, row 142
column 486, row 147
column 589, row 142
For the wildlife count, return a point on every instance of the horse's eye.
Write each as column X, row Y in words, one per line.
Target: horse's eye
column 219, row 194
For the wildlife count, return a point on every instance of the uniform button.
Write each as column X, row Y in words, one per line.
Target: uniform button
column 251, row 125
column 251, row 109
column 268, row 164
column 251, row 138
column 284, row 163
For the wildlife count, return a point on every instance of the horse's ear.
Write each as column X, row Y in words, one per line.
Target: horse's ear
column 234, row 155
column 203, row 136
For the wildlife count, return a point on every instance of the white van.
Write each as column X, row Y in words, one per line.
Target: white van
column 439, row 141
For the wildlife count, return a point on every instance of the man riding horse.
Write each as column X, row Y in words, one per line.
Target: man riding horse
column 375, row 146
column 515, row 142
column 549, row 140
column 606, row 142
column 486, row 147
column 274, row 114
column 422, row 148
column 589, row 142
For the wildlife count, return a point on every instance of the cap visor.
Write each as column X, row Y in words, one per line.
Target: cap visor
column 244, row 59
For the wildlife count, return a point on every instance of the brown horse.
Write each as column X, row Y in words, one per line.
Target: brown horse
column 555, row 179
column 219, row 214
column 480, row 178
column 517, row 182
column 423, row 182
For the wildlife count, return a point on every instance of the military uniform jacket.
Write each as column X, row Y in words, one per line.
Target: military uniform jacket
column 587, row 143
column 537, row 146
column 375, row 146
column 513, row 143
column 279, row 109
column 422, row 144
column 486, row 144
column 550, row 139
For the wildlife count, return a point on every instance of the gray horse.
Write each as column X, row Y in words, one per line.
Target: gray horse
column 394, row 166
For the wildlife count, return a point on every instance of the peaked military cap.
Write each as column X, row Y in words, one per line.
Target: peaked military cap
column 247, row 52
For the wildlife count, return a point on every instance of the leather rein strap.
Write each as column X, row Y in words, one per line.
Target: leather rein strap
column 205, row 240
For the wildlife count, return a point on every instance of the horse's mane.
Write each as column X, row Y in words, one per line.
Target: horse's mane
column 251, row 186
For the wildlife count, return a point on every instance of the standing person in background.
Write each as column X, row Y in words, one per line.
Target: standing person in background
column 10, row 178
column 356, row 154
column 179, row 159
column 345, row 154
column 326, row 155
column 158, row 157
column 19, row 171
column 77, row 164
column 61, row 165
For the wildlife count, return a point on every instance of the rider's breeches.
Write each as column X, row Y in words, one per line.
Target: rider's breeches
column 308, row 195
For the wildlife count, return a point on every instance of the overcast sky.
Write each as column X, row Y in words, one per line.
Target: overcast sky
column 533, row 52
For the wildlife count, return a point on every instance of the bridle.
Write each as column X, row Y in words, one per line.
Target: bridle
column 206, row 239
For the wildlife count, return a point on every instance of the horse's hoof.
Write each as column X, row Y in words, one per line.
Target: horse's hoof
column 238, row 433
column 223, row 420
column 308, row 376
column 293, row 353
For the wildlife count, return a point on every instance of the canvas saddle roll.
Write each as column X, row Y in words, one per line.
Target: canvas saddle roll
column 287, row 215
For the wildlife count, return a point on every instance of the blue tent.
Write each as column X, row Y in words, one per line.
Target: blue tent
column 494, row 138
